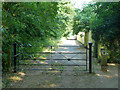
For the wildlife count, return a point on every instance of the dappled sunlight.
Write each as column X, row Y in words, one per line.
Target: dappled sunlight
column 52, row 85
column 46, row 81
column 21, row 74
column 43, row 62
column 50, row 68
column 111, row 64
column 46, row 50
column 15, row 78
column 55, row 71
column 116, row 75
column 108, row 76
column 18, row 77
column 42, row 57
column 34, row 63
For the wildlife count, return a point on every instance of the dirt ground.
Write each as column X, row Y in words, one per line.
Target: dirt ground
column 67, row 78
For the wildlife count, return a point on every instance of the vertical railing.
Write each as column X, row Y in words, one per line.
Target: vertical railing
column 51, row 57
column 90, row 57
column 86, row 58
column 15, row 58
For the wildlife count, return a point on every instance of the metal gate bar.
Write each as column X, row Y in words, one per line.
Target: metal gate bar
column 55, row 59
column 52, row 69
column 50, row 65
column 53, row 52
column 57, row 46
column 65, row 46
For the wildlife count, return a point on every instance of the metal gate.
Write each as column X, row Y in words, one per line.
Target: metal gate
column 56, row 58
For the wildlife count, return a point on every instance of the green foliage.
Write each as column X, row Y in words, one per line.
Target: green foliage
column 82, row 19
column 66, row 14
column 105, row 28
column 103, row 19
column 33, row 25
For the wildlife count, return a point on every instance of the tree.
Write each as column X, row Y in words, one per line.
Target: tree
column 32, row 24
column 103, row 20
column 105, row 27
column 82, row 21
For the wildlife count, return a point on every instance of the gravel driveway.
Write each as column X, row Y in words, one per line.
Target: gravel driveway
column 68, row 78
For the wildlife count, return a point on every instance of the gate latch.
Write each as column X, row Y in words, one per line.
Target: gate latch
column 68, row 59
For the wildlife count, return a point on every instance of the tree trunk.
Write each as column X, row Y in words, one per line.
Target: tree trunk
column 86, row 38
column 9, row 61
column 96, row 50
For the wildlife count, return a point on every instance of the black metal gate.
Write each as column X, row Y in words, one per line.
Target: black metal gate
column 56, row 58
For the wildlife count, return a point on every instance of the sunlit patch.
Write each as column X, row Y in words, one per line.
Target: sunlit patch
column 55, row 71
column 108, row 70
column 46, row 50
column 52, row 51
column 52, row 85
column 108, row 76
column 68, row 42
column 34, row 63
column 49, row 68
column 42, row 57
column 13, row 14
column 21, row 74
column 42, row 62
column 46, row 81
column 44, row 86
column 111, row 64
column 116, row 74
column 15, row 78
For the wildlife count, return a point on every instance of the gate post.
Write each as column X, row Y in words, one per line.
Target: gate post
column 15, row 58
column 90, row 57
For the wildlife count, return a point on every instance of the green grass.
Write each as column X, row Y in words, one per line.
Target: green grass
column 79, row 68
column 56, row 78
column 95, row 62
column 62, row 67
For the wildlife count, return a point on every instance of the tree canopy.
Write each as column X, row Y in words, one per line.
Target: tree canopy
column 103, row 19
column 33, row 24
